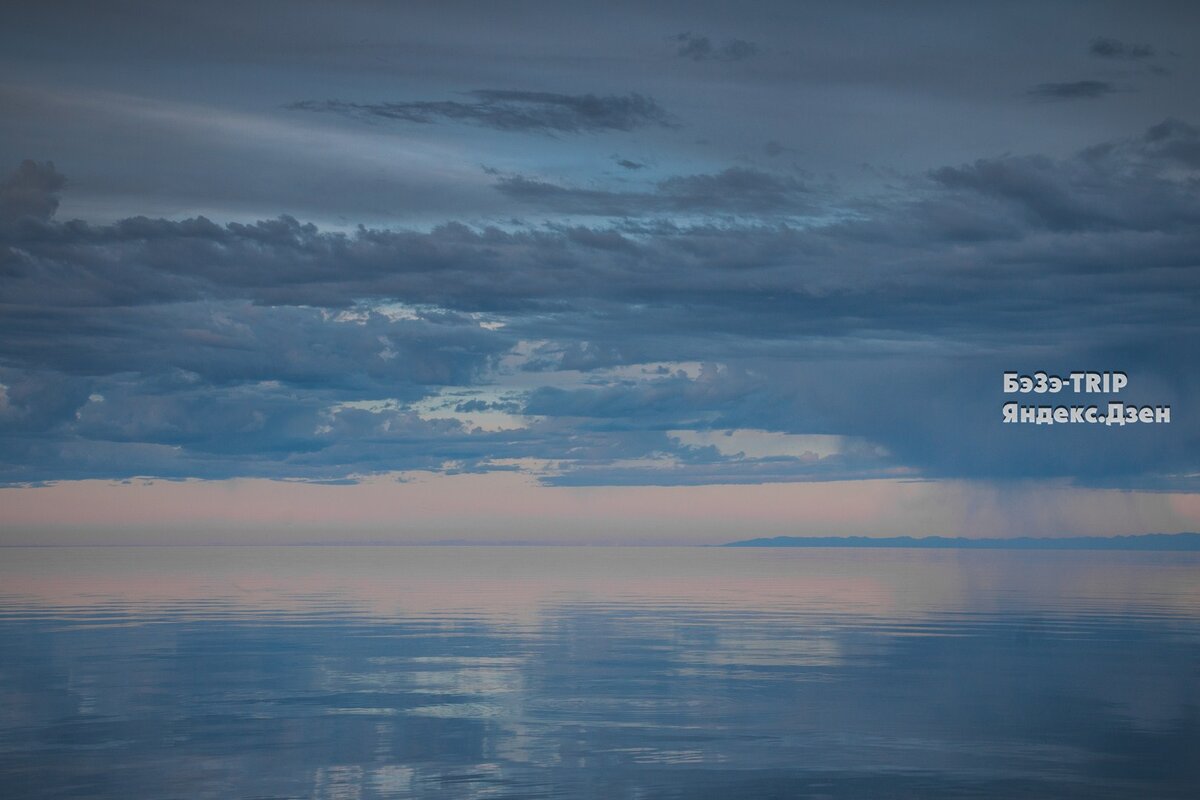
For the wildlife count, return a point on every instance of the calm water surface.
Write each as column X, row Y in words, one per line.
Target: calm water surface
column 597, row 673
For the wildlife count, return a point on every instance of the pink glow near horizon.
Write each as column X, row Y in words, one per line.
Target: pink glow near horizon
column 511, row 506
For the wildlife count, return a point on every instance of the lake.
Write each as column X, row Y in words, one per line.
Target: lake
column 563, row 672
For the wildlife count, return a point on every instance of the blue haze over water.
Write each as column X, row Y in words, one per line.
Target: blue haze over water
column 528, row 672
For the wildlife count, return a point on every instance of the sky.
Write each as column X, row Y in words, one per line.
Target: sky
column 592, row 272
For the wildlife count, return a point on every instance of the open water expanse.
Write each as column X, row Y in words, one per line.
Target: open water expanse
column 528, row 672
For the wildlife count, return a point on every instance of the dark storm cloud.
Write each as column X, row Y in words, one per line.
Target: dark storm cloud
column 188, row 348
column 225, row 342
column 125, row 428
column 1105, row 47
column 219, row 389
column 701, row 48
column 1169, row 141
column 1074, row 90
column 940, row 414
column 530, row 112
column 732, row 191
column 1127, row 185
column 31, row 191
column 1116, row 189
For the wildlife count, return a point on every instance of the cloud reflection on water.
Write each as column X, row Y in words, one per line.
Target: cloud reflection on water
column 574, row 672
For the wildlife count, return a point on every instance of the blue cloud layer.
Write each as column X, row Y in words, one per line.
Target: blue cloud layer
column 187, row 348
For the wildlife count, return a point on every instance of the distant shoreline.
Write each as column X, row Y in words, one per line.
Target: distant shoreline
column 1148, row 541
column 1152, row 542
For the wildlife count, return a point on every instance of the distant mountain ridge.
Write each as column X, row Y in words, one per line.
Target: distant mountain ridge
column 1147, row 541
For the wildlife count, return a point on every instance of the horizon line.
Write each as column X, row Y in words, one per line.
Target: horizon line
column 1137, row 541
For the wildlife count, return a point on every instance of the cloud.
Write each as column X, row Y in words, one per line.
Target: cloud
column 31, row 191
column 1075, row 90
column 1105, row 47
column 774, row 148
column 1134, row 184
column 187, row 348
column 517, row 111
column 701, row 48
column 735, row 190
column 1171, row 140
